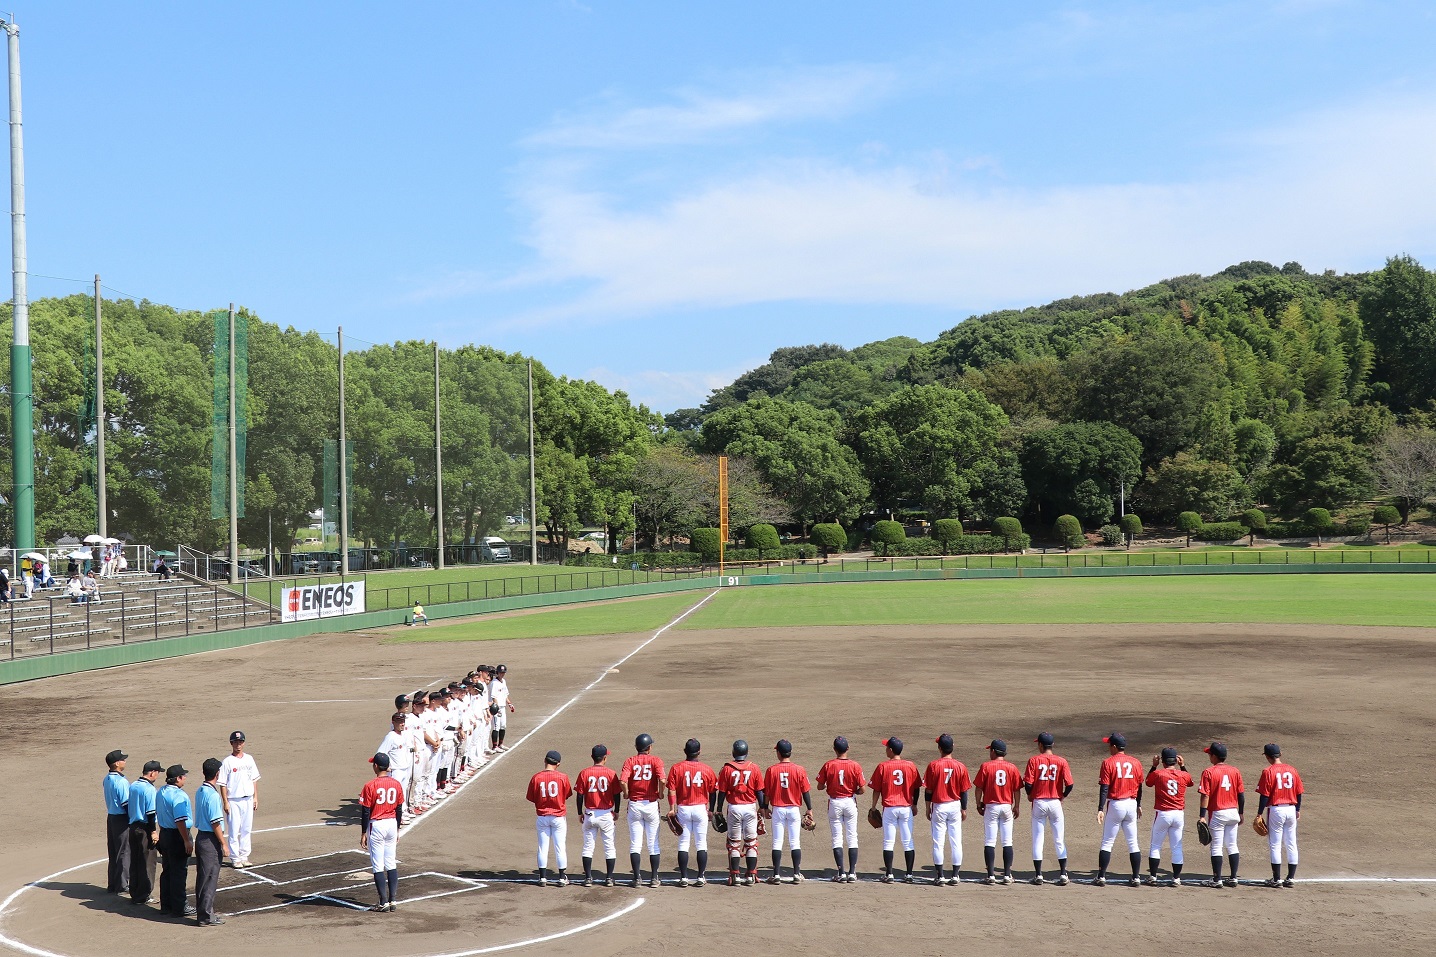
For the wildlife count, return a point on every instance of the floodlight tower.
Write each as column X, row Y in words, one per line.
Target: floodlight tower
column 22, row 402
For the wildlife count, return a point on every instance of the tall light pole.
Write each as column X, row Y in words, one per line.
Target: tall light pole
column 343, row 470
column 438, row 465
column 22, row 401
column 533, row 488
column 233, row 464
column 100, row 502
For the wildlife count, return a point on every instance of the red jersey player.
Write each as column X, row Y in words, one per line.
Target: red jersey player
column 945, row 785
column 1169, row 781
column 642, row 780
column 381, row 811
column 896, row 784
column 740, row 783
column 597, row 792
column 1223, row 805
column 785, row 786
column 1048, row 781
column 1119, row 805
column 691, row 786
column 549, row 791
column 842, row 778
column 998, row 782
column 1280, row 789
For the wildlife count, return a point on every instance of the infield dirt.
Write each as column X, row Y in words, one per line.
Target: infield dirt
column 1352, row 708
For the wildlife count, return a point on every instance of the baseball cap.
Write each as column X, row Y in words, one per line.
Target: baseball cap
column 236, row 736
column 894, row 743
column 944, row 743
column 152, row 766
column 840, row 743
column 1217, row 748
column 1272, row 750
column 1117, row 738
column 784, row 747
column 210, row 767
column 691, row 747
column 175, row 771
column 398, row 716
column 998, row 745
column 553, row 757
column 503, row 669
column 1045, row 739
column 380, row 761
column 402, row 700
column 1169, row 755
column 599, row 751
column 115, row 755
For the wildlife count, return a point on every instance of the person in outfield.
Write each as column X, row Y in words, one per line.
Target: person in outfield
column 842, row 778
column 381, row 812
column 691, row 787
column 1224, row 803
column 549, row 791
column 785, row 784
column 998, row 784
column 1119, row 806
column 1048, row 782
column 1169, row 781
column 598, row 794
column 896, row 784
column 740, row 783
column 1280, row 793
column 945, row 785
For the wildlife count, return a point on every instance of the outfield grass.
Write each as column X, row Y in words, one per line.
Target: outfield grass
column 606, row 618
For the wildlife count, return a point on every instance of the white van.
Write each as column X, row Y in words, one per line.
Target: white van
column 494, row 549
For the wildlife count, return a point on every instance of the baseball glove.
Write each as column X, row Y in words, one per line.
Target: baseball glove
column 1204, row 832
column 875, row 817
column 673, row 823
column 720, row 823
column 762, row 826
column 494, row 707
column 1259, row 825
column 808, row 823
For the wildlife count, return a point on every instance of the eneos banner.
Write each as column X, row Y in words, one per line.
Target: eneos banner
column 308, row 602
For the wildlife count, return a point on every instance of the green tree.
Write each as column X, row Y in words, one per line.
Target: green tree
column 1317, row 522
column 946, row 532
column 764, row 538
column 1399, row 312
column 886, row 534
column 1068, row 531
column 1188, row 523
column 829, row 537
column 1325, row 470
column 1255, row 521
column 1078, row 467
column 705, row 542
column 1009, row 530
column 1405, row 467
column 1386, row 516
column 1187, row 483
column 1131, row 526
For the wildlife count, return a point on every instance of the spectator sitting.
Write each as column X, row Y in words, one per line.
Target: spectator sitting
column 4, row 585
column 162, row 569
column 76, row 590
column 43, row 578
column 418, row 615
column 92, row 587
column 73, row 568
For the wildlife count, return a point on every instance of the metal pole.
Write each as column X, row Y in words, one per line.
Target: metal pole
column 233, row 466
column 100, row 418
column 22, row 401
column 533, row 488
column 438, row 465
column 343, row 470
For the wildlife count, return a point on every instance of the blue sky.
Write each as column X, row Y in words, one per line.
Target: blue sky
column 657, row 195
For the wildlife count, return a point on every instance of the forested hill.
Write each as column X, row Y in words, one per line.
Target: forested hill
column 1211, row 393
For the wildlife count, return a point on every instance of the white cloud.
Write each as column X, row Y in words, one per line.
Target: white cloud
column 1339, row 189
column 810, row 94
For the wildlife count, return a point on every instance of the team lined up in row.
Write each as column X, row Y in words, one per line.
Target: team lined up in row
column 697, row 795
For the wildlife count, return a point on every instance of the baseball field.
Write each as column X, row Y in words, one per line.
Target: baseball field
column 1338, row 669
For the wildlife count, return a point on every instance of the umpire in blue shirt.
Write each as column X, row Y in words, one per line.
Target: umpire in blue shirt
column 209, row 843
column 172, row 814
column 117, row 821
column 143, row 833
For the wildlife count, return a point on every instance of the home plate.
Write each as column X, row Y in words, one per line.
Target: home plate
column 358, row 876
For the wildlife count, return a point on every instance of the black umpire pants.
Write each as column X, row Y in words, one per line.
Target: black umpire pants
column 142, row 863
column 175, row 874
column 117, row 829
column 207, row 855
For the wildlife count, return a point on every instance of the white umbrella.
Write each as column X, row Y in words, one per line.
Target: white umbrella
column 79, row 553
column 94, row 540
column 112, row 541
column 35, row 556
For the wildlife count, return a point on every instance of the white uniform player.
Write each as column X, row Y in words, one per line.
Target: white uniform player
column 398, row 745
column 499, row 695
column 239, row 788
column 413, row 729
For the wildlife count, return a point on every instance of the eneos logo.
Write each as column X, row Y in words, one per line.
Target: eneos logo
column 322, row 601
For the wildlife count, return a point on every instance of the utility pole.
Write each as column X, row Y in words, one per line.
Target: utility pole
column 438, row 464
column 100, row 418
column 343, row 470
column 22, row 399
column 533, row 488
column 233, row 466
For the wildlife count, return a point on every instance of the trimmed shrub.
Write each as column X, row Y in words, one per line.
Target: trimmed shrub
column 829, row 537
column 704, row 541
column 644, row 560
column 1188, row 523
column 1387, row 516
column 855, row 539
column 1010, row 531
column 1112, row 534
column 946, row 530
column 1220, row 532
column 886, row 534
column 1130, row 524
column 1069, row 532
column 764, row 538
column 1254, row 519
column 1317, row 522
column 963, row 545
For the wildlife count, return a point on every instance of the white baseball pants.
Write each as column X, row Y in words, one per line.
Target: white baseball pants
column 1281, row 832
column 897, row 823
column 997, row 823
column 1121, row 816
column 786, row 823
column 1225, row 824
column 383, row 845
column 552, row 832
column 642, row 826
column 1047, row 812
column 1167, row 826
column 742, row 830
column 431, row 773
column 599, row 825
column 947, row 832
column 843, row 821
column 694, row 818
column 238, row 824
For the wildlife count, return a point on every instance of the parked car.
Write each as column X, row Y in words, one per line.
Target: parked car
column 494, row 549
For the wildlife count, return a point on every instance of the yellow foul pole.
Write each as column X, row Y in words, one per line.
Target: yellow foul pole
column 722, row 509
